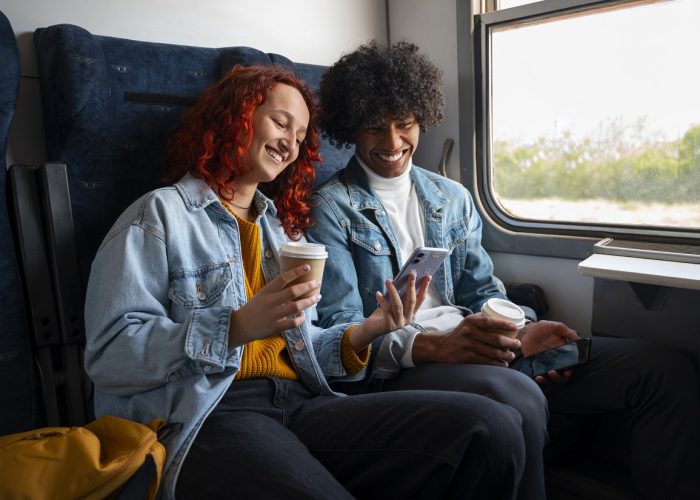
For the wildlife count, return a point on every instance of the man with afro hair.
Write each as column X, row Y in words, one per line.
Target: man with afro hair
column 372, row 214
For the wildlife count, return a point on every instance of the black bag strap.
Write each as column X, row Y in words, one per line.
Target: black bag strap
column 530, row 295
column 136, row 488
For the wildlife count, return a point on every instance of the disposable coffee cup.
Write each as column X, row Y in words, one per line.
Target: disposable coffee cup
column 298, row 253
column 505, row 310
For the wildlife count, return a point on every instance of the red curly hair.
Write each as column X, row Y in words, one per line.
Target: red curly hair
column 215, row 134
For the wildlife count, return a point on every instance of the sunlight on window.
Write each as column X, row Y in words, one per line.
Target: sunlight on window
column 505, row 4
column 596, row 118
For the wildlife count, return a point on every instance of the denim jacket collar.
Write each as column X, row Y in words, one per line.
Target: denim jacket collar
column 429, row 193
column 196, row 194
column 363, row 197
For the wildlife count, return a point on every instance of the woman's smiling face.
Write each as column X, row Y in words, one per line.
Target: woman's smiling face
column 279, row 127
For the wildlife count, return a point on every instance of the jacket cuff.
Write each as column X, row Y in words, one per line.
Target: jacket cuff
column 353, row 361
column 207, row 338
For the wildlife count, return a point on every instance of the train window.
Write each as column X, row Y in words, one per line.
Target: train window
column 588, row 115
column 506, row 4
column 491, row 5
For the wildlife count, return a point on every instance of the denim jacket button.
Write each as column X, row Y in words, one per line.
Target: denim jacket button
column 268, row 254
column 299, row 345
column 377, row 245
column 201, row 295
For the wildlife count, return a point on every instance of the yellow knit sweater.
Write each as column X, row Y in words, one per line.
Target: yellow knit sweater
column 268, row 357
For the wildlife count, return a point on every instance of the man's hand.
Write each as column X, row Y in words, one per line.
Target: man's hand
column 543, row 335
column 390, row 315
column 477, row 339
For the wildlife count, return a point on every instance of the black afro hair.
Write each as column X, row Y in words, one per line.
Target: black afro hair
column 374, row 83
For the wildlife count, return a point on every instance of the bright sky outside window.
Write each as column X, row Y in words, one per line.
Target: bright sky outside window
column 505, row 4
column 596, row 118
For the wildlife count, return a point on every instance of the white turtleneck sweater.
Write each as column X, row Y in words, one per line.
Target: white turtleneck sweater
column 400, row 201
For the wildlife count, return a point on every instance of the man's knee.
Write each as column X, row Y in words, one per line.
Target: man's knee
column 493, row 429
column 503, row 385
column 520, row 391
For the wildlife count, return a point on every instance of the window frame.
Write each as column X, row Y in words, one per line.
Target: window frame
column 501, row 231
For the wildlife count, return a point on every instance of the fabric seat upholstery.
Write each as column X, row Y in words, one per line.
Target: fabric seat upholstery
column 20, row 409
column 111, row 103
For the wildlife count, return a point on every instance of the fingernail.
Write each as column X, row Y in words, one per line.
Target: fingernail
column 318, row 298
column 307, row 267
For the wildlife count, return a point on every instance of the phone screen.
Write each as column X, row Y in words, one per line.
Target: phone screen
column 558, row 358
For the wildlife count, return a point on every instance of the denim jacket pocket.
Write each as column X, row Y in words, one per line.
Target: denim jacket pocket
column 456, row 234
column 371, row 239
column 195, row 288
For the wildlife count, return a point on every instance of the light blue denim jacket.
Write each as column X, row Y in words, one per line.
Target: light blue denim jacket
column 159, row 298
column 363, row 251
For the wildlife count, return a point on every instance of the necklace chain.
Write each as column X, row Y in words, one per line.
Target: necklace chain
column 226, row 202
column 238, row 206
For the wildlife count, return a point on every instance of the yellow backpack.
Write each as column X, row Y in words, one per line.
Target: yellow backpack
column 102, row 459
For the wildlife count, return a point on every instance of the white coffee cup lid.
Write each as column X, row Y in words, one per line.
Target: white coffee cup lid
column 304, row 250
column 505, row 310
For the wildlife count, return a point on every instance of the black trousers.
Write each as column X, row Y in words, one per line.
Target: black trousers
column 271, row 438
column 653, row 389
column 509, row 387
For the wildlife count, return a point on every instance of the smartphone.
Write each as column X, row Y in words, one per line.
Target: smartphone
column 558, row 358
column 424, row 261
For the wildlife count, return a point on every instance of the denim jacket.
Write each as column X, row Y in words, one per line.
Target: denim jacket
column 363, row 251
column 162, row 287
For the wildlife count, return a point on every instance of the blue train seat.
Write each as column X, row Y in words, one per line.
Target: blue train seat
column 109, row 106
column 18, row 383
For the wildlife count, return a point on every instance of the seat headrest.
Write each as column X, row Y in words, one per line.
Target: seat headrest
column 111, row 103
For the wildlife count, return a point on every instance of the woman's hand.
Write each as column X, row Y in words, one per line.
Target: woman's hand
column 273, row 309
column 390, row 316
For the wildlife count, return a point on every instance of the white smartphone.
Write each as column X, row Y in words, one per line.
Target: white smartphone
column 424, row 261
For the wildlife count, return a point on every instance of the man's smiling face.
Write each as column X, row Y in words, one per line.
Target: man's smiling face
column 387, row 147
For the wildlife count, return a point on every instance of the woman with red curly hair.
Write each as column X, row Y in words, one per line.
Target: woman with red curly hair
column 189, row 319
column 214, row 144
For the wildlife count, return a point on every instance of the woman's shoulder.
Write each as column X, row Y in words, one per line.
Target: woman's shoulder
column 158, row 201
column 152, row 212
column 189, row 194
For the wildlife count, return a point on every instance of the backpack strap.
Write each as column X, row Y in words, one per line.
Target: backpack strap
column 138, row 484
